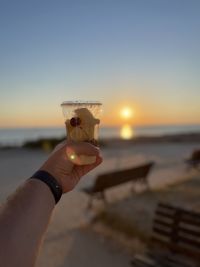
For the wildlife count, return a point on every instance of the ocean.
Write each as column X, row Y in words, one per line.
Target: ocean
column 18, row 136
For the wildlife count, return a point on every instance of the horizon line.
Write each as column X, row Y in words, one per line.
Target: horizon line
column 103, row 126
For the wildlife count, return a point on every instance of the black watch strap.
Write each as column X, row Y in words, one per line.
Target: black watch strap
column 52, row 183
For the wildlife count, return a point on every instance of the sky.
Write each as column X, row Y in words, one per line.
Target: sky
column 142, row 54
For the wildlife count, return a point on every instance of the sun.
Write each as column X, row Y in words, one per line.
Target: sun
column 126, row 113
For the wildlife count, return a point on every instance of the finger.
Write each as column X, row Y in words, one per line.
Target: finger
column 94, row 165
column 82, row 153
column 82, row 170
column 83, row 148
column 84, row 160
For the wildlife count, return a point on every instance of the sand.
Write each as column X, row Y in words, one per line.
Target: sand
column 69, row 240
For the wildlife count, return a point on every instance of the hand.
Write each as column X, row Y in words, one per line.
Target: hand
column 66, row 166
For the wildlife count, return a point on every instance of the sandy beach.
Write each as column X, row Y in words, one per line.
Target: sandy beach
column 70, row 241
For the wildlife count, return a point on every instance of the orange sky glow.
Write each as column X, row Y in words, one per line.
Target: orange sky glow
column 110, row 117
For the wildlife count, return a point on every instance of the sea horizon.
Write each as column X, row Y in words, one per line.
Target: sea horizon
column 108, row 126
column 17, row 136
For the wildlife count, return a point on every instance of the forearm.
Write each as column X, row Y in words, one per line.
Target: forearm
column 23, row 222
column 25, row 216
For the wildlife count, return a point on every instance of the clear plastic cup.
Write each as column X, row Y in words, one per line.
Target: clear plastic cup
column 82, row 119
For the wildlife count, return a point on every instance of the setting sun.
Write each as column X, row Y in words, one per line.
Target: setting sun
column 126, row 113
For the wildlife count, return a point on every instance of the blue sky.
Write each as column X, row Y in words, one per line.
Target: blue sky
column 141, row 53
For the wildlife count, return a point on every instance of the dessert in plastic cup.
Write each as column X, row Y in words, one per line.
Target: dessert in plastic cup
column 82, row 120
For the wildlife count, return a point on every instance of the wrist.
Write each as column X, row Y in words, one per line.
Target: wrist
column 50, row 181
column 41, row 191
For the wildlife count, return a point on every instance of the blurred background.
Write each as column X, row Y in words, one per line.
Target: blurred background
column 141, row 59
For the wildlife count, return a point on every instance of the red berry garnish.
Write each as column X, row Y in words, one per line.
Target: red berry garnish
column 75, row 121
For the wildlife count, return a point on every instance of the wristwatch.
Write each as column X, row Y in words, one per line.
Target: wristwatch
column 51, row 182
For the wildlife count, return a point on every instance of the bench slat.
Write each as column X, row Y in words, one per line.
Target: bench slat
column 162, row 232
column 164, row 214
column 191, row 232
column 159, row 222
column 187, row 213
column 183, row 218
column 189, row 241
column 190, row 221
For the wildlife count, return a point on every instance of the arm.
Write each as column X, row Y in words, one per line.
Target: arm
column 23, row 220
column 25, row 216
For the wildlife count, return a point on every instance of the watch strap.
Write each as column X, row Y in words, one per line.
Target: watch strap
column 51, row 182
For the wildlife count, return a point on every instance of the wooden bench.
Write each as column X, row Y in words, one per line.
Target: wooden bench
column 111, row 179
column 175, row 239
column 194, row 160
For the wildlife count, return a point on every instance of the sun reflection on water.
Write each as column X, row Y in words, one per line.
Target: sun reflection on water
column 126, row 132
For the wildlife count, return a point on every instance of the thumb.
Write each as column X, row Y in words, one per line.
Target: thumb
column 82, row 153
